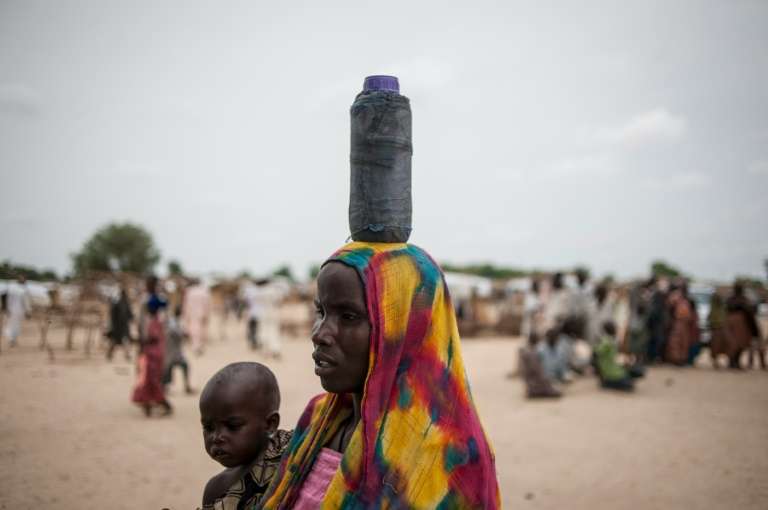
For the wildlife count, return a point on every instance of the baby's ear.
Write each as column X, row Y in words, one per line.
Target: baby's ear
column 273, row 422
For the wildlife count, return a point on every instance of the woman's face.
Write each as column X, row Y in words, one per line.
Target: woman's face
column 341, row 333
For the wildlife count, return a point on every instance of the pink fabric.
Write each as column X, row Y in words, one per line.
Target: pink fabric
column 149, row 386
column 318, row 479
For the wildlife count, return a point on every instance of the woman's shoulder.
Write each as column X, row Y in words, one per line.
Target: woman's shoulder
column 315, row 403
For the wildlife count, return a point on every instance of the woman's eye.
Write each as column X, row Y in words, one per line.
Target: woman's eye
column 349, row 316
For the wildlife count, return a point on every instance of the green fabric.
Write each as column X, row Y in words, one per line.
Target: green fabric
column 606, row 352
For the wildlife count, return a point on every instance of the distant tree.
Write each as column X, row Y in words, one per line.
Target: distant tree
column 284, row 271
column 750, row 281
column 174, row 268
column 314, row 270
column 582, row 270
column 117, row 247
column 245, row 274
column 9, row 271
column 661, row 268
column 486, row 270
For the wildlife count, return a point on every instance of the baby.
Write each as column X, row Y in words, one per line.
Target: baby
column 239, row 411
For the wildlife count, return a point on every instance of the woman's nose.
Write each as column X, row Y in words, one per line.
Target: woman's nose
column 322, row 332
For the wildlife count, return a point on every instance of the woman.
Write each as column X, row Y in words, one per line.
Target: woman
column 741, row 326
column 683, row 334
column 679, row 339
column 719, row 342
column 398, row 427
column 149, row 389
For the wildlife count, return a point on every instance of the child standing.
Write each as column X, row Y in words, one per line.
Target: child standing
column 174, row 354
column 149, row 388
column 239, row 411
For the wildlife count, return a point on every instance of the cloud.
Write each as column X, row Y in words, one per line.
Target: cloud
column 683, row 181
column 123, row 168
column 422, row 73
column 657, row 125
column 18, row 100
column 20, row 219
column 599, row 164
column 758, row 167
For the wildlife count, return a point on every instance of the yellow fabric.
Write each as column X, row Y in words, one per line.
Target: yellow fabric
column 419, row 443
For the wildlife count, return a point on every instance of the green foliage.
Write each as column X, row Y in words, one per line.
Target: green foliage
column 117, row 247
column 284, row 271
column 314, row 270
column 583, row 270
column 661, row 268
column 245, row 274
column 10, row 271
column 751, row 281
column 174, row 268
column 486, row 270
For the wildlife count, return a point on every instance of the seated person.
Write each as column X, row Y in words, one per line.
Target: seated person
column 555, row 355
column 537, row 384
column 610, row 373
column 239, row 411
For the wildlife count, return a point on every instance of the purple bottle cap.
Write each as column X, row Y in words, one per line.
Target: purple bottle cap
column 381, row 82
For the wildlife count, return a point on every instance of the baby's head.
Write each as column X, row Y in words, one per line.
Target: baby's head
column 239, row 411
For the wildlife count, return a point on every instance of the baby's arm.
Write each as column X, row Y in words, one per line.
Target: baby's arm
column 218, row 485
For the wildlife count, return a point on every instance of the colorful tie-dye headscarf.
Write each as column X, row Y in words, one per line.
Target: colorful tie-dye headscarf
column 419, row 443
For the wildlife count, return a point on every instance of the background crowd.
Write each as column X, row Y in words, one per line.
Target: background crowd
column 616, row 331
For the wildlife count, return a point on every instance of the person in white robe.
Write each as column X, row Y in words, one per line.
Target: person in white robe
column 18, row 307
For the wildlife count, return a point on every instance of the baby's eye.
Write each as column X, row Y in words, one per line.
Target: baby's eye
column 207, row 427
column 234, row 426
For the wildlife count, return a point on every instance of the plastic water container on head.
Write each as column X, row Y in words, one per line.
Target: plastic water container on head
column 380, row 162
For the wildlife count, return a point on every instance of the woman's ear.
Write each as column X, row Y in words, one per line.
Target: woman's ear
column 273, row 422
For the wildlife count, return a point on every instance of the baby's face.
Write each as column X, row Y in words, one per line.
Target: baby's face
column 235, row 425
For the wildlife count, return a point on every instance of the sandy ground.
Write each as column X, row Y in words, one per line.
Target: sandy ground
column 693, row 438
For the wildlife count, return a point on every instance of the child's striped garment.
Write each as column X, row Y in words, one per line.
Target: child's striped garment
column 419, row 443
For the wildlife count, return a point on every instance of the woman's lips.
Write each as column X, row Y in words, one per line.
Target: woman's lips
column 323, row 364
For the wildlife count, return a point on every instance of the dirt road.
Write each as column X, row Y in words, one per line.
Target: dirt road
column 688, row 438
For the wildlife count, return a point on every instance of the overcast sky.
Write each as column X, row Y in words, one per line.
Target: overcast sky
column 599, row 133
